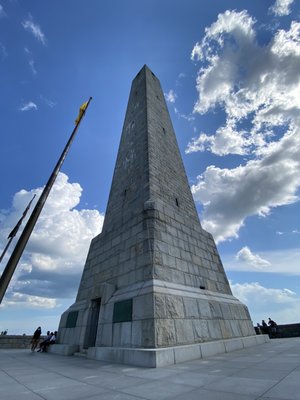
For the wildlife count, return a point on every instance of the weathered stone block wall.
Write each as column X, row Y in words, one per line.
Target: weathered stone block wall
column 75, row 335
column 130, row 184
column 120, row 254
column 120, row 257
column 168, row 181
column 151, row 227
column 181, row 320
column 173, row 317
column 183, row 252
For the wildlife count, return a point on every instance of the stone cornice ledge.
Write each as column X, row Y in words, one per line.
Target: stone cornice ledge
column 175, row 289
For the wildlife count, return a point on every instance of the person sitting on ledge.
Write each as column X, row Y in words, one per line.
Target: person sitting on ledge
column 257, row 329
column 44, row 345
column 45, row 342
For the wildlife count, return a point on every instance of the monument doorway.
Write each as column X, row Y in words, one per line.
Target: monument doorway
column 92, row 324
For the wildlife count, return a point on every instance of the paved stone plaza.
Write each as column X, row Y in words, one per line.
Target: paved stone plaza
column 267, row 371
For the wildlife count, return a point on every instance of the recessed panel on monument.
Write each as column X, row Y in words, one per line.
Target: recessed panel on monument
column 153, row 287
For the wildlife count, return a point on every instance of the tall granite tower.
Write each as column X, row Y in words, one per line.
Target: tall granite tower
column 153, row 290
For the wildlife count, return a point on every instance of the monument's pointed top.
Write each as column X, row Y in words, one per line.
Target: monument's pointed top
column 145, row 66
column 144, row 69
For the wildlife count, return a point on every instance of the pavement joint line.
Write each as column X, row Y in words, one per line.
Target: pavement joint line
column 278, row 382
column 115, row 372
column 22, row 384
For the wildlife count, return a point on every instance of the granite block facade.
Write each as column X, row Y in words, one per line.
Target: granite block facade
column 153, row 278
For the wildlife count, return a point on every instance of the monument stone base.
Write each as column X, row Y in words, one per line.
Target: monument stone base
column 161, row 357
column 163, row 315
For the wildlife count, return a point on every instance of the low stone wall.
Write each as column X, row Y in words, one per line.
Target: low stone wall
column 15, row 341
column 283, row 331
column 289, row 330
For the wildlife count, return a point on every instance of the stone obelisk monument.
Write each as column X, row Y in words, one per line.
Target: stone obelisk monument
column 153, row 291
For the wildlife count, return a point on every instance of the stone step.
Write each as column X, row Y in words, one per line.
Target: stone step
column 82, row 353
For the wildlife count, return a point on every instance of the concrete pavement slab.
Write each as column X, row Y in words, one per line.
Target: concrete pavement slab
column 239, row 385
column 278, row 365
column 221, row 370
column 204, row 394
column 115, row 396
column 52, row 392
column 117, row 382
column 259, row 374
column 287, row 388
column 270, row 371
column 159, row 390
column 155, row 373
column 195, row 379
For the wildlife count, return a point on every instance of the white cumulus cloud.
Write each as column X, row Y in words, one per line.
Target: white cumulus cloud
column 55, row 254
column 281, row 7
column 257, row 87
column 284, row 262
column 227, row 140
column 29, row 25
column 20, row 300
column 246, row 255
column 230, row 195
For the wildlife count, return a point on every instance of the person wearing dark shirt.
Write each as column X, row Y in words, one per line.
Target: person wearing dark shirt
column 36, row 338
column 273, row 326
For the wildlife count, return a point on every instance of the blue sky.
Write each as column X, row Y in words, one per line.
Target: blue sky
column 230, row 71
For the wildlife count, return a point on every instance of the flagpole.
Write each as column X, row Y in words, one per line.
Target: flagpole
column 16, row 228
column 19, row 248
column 6, row 247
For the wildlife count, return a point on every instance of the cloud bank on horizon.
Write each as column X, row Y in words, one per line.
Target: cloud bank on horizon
column 282, row 304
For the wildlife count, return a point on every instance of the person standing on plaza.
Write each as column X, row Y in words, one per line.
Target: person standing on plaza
column 36, row 338
column 272, row 327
